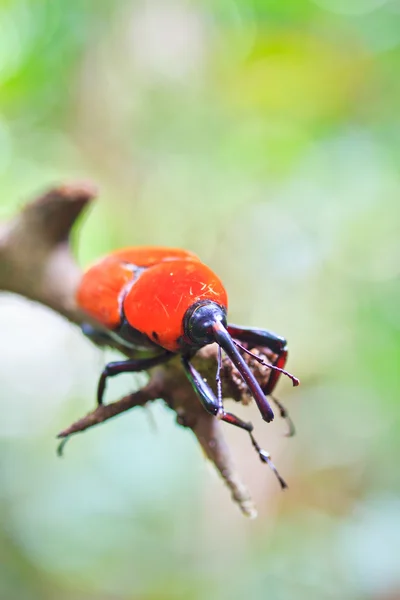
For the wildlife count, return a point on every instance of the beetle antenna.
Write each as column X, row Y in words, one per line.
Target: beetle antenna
column 294, row 379
column 223, row 339
column 218, row 379
column 285, row 415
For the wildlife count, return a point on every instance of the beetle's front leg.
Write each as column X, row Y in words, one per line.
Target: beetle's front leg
column 131, row 365
column 115, row 368
column 265, row 339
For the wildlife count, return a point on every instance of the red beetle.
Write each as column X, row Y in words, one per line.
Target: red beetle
column 167, row 300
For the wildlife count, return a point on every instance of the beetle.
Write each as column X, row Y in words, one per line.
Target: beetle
column 169, row 302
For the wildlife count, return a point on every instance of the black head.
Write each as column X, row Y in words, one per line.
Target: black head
column 199, row 322
column 205, row 323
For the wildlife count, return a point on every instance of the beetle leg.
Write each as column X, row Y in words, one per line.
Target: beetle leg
column 212, row 406
column 258, row 337
column 283, row 412
column 131, row 365
column 115, row 368
column 265, row 339
column 202, row 389
column 278, row 345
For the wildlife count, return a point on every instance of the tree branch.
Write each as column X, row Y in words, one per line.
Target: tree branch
column 36, row 262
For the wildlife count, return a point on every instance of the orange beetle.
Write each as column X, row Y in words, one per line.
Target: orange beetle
column 167, row 300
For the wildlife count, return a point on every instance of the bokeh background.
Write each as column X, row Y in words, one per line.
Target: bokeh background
column 263, row 135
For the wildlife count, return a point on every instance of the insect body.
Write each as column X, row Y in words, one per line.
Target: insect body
column 166, row 300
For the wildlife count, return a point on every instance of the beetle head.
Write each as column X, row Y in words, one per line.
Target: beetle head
column 199, row 322
column 205, row 323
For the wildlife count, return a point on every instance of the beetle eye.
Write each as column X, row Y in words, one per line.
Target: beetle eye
column 200, row 331
column 199, row 320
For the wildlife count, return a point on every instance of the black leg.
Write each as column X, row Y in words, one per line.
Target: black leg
column 131, row 365
column 263, row 339
column 258, row 337
column 266, row 339
column 202, row 389
column 212, row 406
column 285, row 415
column 115, row 368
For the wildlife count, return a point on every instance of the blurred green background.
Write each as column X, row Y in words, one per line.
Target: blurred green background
column 263, row 135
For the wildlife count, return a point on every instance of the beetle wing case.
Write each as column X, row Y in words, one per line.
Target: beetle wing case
column 99, row 293
column 157, row 302
column 151, row 287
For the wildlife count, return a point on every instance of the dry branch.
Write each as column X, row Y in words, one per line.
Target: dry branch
column 36, row 262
